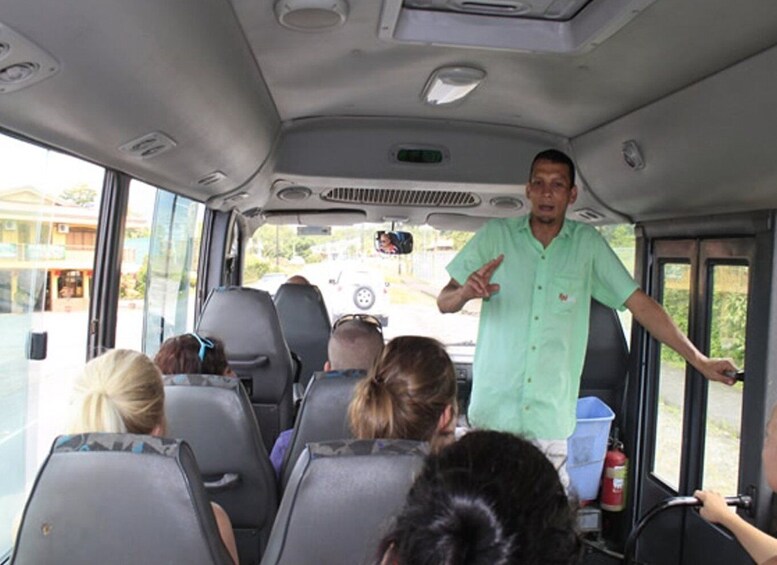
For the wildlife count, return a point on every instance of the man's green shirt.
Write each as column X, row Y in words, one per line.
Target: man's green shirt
column 533, row 332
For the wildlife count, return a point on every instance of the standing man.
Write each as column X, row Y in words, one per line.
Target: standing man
column 536, row 275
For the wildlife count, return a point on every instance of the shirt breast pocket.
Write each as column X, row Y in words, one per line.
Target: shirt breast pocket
column 567, row 293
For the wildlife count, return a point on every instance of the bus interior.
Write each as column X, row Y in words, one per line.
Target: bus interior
column 155, row 151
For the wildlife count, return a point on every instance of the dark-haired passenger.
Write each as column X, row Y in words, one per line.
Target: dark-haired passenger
column 490, row 498
column 192, row 354
column 410, row 393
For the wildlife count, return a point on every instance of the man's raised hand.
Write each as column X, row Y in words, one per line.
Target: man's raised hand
column 479, row 284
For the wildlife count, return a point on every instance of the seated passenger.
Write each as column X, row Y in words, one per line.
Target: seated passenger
column 122, row 392
column 355, row 344
column 298, row 279
column 409, row 394
column 192, row 354
column 761, row 547
column 491, row 498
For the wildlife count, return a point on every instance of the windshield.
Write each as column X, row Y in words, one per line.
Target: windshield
column 401, row 290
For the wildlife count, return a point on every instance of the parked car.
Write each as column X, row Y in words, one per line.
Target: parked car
column 359, row 291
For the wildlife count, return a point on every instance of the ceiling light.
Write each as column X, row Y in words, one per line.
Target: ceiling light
column 294, row 193
column 449, row 84
column 311, row 15
column 506, row 203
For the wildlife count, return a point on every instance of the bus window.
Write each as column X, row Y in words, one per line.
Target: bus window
column 670, row 411
column 162, row 232
column 48, row 219
column 724, row 404
column 400, row 290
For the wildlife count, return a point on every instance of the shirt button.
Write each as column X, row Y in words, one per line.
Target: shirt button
column 536, row 317
column 539, row 287
column 533, row 348
column 542, row 257
column 526, row 407
column 528, row 380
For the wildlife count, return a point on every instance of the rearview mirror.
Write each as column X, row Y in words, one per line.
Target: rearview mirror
column 393, row 242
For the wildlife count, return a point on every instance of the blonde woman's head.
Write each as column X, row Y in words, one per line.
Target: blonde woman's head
column 119, row 392
column 410, row 393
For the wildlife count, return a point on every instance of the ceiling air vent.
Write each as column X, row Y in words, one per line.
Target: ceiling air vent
column 590, row 215
column 393, row 197
column 149, row 145
column 212, row 178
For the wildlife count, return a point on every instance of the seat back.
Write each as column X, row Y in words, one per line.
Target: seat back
column 340, row 499
column 606, row 359
column 246, row 321
column 214, row 415
column 323, row 415
column 305, row 324
column 121, row 499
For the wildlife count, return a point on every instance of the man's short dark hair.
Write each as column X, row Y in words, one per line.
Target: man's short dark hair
column 555, row 156
column 354, row 345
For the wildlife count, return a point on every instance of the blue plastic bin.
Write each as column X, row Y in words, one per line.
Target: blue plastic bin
column 587, row 446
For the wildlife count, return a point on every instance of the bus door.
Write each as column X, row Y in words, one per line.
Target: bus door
column 693, row 428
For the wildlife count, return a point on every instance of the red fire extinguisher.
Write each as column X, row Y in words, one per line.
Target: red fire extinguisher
column 614, row 480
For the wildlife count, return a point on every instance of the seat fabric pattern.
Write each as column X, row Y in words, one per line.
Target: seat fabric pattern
column 120, row 499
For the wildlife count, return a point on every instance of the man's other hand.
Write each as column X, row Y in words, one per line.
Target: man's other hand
column 720, row 370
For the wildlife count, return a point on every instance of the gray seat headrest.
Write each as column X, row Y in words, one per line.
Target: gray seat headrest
column 119, row 498
column 246, row 321
column 306, row 325
column 323, row 415
column 606, row 358
column 340, row 499
column 213, row 414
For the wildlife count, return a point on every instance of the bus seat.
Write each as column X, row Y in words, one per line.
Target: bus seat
column 120, row 499
column 606, row 359
column 306, row 326
column 214, row 415
column 323, row 415
column 340, row 499
column 246, row 320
